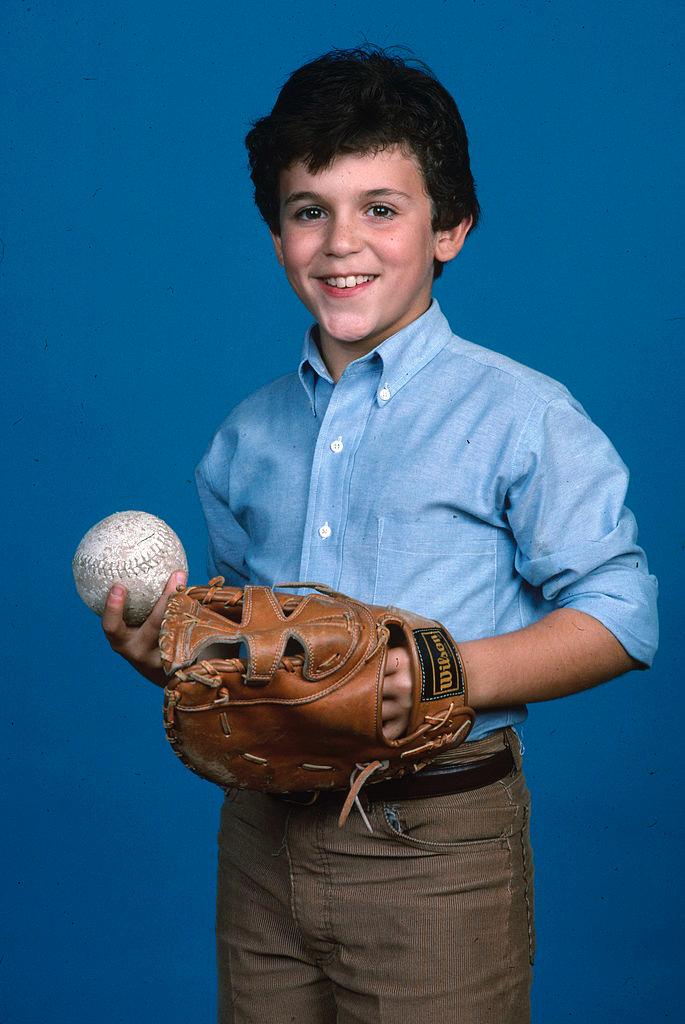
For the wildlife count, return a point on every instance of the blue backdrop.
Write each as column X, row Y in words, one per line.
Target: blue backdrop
column 141, row 300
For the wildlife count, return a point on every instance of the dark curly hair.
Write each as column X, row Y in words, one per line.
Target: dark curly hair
column 363, row 101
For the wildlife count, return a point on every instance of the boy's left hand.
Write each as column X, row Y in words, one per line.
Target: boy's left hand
column 396, row 705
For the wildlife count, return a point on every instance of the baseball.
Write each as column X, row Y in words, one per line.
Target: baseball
column 133, row 548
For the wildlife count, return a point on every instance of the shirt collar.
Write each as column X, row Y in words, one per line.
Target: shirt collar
column 400, row 356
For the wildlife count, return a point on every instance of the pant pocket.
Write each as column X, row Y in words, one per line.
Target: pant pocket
column 490, row 814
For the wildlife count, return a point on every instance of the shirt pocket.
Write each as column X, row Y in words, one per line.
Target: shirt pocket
column 440, row 566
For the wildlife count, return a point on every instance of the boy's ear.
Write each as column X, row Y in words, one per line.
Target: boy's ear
column 278, row 246
column 448, row 243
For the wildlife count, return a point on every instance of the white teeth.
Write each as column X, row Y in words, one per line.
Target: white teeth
column 348, row 282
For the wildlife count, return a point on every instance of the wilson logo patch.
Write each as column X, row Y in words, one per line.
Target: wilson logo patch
column 442, row 673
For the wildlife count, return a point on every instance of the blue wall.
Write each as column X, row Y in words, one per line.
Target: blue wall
column 141, row 300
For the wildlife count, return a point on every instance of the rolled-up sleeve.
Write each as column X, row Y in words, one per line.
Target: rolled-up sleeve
column 576, row 540
column 227, row 540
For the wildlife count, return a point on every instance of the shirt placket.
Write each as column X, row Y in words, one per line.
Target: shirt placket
column 340, row 434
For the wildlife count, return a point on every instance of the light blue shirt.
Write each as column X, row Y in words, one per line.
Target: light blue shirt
column 437, row 476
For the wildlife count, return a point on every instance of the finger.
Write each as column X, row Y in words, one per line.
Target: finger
column 391, row 688
column 389, row 706
column 153, row 622
column 394, row 660
column 177, row 579
column 390, row 710
column 393, row 727
column 113, row 616
column 397, row 685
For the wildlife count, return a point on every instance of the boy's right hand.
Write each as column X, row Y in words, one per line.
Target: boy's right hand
column 139, row 645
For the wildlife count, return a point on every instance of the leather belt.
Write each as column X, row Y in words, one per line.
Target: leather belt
column 458, row 778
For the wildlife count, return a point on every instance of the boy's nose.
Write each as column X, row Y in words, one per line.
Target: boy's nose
column 342, row 238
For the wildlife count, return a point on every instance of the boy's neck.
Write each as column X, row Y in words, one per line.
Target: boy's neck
column 338, row 355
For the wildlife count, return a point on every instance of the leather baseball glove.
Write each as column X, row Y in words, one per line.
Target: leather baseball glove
column 282, row 693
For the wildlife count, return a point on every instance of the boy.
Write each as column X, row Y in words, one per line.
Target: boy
column 406, row 466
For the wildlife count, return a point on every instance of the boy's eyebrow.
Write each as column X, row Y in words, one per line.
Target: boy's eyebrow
column 372, row 193
column 299, row 197
column 376, row 193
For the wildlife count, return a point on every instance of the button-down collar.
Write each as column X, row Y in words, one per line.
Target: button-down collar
column 400, row 356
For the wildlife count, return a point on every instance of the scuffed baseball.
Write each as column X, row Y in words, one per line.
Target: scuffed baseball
column 133, row 548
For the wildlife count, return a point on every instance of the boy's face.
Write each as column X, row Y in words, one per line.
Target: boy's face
column 357, row 246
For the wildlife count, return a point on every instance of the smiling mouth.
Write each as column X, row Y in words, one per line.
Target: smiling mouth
column 350, row 281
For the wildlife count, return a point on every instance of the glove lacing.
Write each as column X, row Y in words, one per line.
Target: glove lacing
column 356, row 782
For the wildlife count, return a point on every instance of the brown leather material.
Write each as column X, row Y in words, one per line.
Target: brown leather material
column 280, row 693
column 459, row 778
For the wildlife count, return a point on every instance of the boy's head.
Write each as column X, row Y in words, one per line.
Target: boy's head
column 365, row 101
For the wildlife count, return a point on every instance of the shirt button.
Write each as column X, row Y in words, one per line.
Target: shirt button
column 337, row 445
column 384, row 393
column 325, row 531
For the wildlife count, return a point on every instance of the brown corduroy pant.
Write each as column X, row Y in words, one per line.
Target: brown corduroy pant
column 429, row 918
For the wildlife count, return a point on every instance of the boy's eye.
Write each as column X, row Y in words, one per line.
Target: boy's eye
column 310, row 213
column 379, row 210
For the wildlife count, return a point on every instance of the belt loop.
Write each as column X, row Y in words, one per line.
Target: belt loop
column 511, row 738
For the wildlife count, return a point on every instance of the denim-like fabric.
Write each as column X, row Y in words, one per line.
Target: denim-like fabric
column 437, row 476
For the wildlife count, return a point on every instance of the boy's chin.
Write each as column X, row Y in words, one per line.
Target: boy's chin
column 348, row 330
